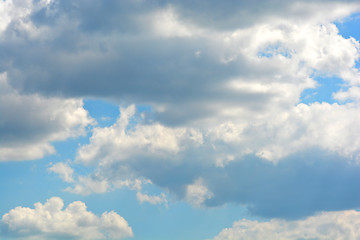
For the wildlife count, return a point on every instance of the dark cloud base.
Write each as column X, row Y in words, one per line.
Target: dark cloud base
column 298, row 186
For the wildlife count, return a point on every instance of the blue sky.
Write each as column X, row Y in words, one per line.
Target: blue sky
column 143, row 119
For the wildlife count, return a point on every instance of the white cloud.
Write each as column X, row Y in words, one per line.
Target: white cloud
column 152, row 199
column 238, row 96
column 328, row 126
column 63, row 170
column 352, row 94
column 51, row 221
column 122, row 141
column 10, row 10
column 30, row 122
column 86, row 185
column 16, row 15
column 197, row 193
column 99, row 183
column 327, row 225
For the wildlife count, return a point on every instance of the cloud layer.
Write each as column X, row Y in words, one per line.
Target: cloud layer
column 165, row 55
column 303, row 164
column 51, row 221
column 227, row 121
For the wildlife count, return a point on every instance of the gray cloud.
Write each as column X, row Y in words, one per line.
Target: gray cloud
column 65, row 48
column 226, row 77
column 298, row 186
column 29, row 123
column 288, row 169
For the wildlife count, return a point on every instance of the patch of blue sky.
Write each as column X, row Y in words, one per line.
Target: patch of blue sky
column 177, row 222
column 349, row 27
column 66, row 151
column 144, row 108
column 144, row 114
column 274, row 50
column 327, row 86
column 105, row 113
column 25, row 183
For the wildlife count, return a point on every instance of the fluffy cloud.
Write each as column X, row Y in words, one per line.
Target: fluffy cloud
column 30, row 122
column 267, row 165
column 327, row 225
column 124, row 140
column 224, row 87
column 51, row 221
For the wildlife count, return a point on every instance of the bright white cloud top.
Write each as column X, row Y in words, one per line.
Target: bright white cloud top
column 51, row 221
column 252, row 103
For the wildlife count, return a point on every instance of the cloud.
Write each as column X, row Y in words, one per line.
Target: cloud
column 93, row 183
column 51, row 221
column 30, row 122
column 326, row 225
column 90, row 184
column 152, row 199
column 276, row 167
column 197, row 193
column 234, row 108
column 267, row 49
column 352, row 94
column 63, row 170
column 122, row 142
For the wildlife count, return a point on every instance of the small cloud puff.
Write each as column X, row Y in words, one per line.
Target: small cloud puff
column 152, row 199
column 51, row 221
column 197, row 193
column 63, row 170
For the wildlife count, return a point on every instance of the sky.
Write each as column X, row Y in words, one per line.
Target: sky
column 197, row 120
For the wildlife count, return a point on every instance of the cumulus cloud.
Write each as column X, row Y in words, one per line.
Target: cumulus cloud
column 326, row 225
column 30, row 122
column 224, row 88
column 259, row 163
column 51, row 221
